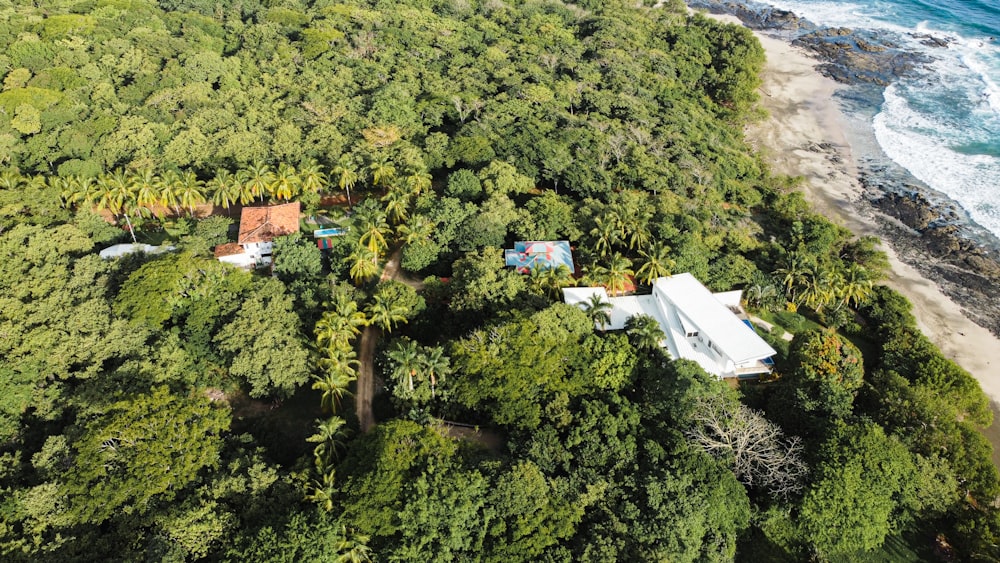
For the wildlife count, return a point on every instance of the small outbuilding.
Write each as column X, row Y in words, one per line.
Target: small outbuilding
column 119, row 250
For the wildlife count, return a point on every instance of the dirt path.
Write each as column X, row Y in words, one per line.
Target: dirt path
column 369, row 340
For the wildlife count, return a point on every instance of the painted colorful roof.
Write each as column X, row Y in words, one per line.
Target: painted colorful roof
column 528, row 255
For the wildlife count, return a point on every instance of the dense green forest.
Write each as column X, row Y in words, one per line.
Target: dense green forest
column 171, row 407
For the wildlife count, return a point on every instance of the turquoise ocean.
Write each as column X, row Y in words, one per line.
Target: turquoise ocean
column 942, row 122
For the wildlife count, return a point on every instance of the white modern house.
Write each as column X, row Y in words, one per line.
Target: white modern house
column 697, row 324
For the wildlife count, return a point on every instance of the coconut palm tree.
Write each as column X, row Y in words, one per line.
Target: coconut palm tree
column 346, row 171
column 436, row 365
column 792, row 273
column 114, row 193
column 657, row 264
column 371, row 227
column 617, row 275
column 341, row 325
column 10, row 179
column 259, row 180
column 417, row 182
column 338, row 371
column 190, row 191
column 607, row 233
column 385, row 314
column 78, row 190
column 554, row 279
column 598, row 310
column 644, row 332
column 328, row 438
column 397, row 204
column 383, row 172
column 312, row 177
column 225, row 188
column 285, row 183
column 406, row 366
column 169, row 190
column 147, row 186
column 363, row 263
column 856, row 285
column 418, row 229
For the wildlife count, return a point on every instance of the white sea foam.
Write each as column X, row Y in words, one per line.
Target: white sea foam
column 990, row 91
column 921, row 144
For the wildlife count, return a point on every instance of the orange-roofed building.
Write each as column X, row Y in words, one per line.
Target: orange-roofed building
column 259, row 226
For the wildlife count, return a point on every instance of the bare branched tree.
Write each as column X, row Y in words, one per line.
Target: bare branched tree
column 760, row 454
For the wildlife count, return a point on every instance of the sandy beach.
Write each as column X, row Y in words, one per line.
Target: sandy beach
column 804, row 136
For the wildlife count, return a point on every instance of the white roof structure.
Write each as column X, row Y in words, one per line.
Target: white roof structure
column 697, row 306
column 119, row 250
column 697, row 324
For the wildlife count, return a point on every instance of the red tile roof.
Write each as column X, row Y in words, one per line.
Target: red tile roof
column 228, row 249
column 263, row 224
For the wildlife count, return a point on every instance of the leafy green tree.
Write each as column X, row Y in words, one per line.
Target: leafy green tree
column 851, row 506
column 827, row 372
column 264, row 345
column 141, row 450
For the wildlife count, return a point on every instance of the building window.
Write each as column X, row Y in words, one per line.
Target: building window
column 693, row 334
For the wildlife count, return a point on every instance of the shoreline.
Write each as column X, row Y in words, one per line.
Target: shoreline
column 806, row 135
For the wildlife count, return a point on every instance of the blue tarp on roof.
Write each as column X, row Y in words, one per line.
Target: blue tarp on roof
column 528, row 255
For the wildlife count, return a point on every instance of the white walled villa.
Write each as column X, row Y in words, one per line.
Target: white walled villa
column 698, row 325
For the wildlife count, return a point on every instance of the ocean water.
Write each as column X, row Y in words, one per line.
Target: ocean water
column 942, row 122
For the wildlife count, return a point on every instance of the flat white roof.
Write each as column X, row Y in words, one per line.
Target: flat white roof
column 119, row 250
column 714, row 320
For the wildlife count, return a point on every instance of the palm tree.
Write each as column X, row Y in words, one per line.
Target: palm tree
column 383, row 172
column 644, row 332
column 658, row 264
column 347, row 175
column 856, row 285
column 259, row 179
column 328, row 437
column 338, row 372
column 384, row 313
column 146, row 185
column 351, row 547
column 169, row 190
column 598, row 310
column 792, row 274
column 418, row 181
column 397, row 203
column 323, row 492
column 418, row 229
column 406, row 362
column 607, row 233
column 340, row 325
column 364, row 264
column 554, row 279
column 190, row 191
column 436, row 364
column 114, row 194
column 617, row 275
column 226, row 189
column 285, row 182
column 10, row 179
column 312, row 177
column 372, row 230
column 78, row 190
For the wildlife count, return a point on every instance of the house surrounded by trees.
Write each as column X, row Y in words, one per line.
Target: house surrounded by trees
column 697, row 324
column 259, row 226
